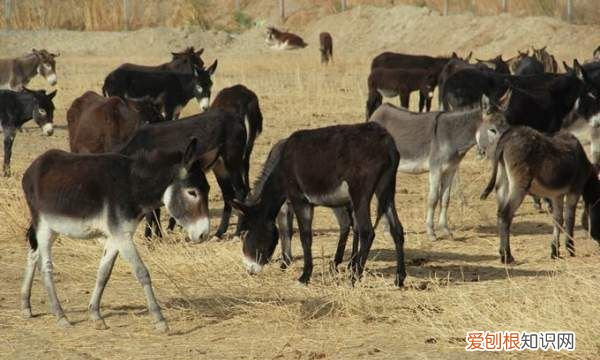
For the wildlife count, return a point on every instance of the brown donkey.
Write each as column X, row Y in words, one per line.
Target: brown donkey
column 526, row 161
column 88, row 196
column 326, row 47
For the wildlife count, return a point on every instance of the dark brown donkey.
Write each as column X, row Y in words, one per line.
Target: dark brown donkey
column 221, row 147
column 390, row 82
column 526, row 161
column 326, row 47
column 98, row 124
column 88, row 196
column 335, row 166
column 244, row 103
column 16, row 73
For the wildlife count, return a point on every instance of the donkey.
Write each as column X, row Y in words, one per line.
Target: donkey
column 513, row 62
column 595, row 57
column 221, row 147
column 550, row 64
column 390, row 82
column 525, row 161
column 435, row 142
column 243, row 102
column 281, row 40
column 529, row 66
column 173, row 90
column 98, row 124
column 106, row 195
column 16, row 108
column 326, row 47
column 16, row 73
column 343, row 165
column 183, row 61
column 496, row 64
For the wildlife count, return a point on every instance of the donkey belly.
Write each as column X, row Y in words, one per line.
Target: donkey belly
column 338, row 197
column 90, row 227
column 414, row 166
column 387, row 93
column 542, row 190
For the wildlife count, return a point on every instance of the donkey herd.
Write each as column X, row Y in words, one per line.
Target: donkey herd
column 131, row 155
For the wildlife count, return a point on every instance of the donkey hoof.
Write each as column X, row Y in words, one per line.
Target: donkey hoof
column 99, row 324
column 64, row 322
column 432, row 237
column 507, row 260
column 27, row 313
column 162, row 327
column 302, row 284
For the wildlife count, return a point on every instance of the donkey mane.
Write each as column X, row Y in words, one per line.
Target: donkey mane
column 270, row 165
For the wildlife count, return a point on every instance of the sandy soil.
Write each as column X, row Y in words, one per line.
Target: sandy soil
column 215, row 309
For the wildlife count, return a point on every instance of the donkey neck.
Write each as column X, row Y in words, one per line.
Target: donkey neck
column 149, row 183
column 461, row 128
column 28, row 66
column 25, row 101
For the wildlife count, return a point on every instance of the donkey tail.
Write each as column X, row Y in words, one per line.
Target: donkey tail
column 31, row 237
column 497, row 155
column 386, row 188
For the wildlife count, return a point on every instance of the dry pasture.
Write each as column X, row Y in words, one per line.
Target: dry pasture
column 216, row 310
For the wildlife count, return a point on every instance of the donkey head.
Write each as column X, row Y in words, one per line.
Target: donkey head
column 493, row 120
column 186, row 198
column 203, row 85
column 587, row 104
column 597, row 53
column 188, row 58
column 43, row 110
column 260, row 240
column 46, row 65
column 272, row 34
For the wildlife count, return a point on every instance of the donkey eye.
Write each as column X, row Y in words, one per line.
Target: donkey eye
column 192, row 193
column 42, row 111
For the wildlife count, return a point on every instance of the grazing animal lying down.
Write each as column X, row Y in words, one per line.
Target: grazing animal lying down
column 280, row 40
column 525, row 161
column 335, row 166
column 88, row 196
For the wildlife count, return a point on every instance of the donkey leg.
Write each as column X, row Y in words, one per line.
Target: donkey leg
column 104, row 270
column 571, row 208
column 227, row 192
column 432, row 201
column 557, row 215
column 153, row 224
column 537, row 203
column 405, row 99
column 507, row 207
column 45, row 238
column 447, row 179
column 397, row 232
column 128, row 251
column 9, row 137
column 365, row 235
column 342, row 215
column 32, row 262
column 304, row 215
column 285, row 222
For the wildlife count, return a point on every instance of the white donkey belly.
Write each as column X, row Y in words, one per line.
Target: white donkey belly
column 414, row 166
column 338, row 197
column 387, row 93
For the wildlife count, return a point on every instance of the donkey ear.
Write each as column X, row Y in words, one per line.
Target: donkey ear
column 189, row 156
column 485, row 103
column 211, row 69
column 199, row 52
column 52, row 95
column 505, row 100
column 578, row 70
column 468, row 58
column 567, row 67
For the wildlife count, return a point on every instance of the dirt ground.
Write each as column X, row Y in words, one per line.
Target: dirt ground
column 216, row 310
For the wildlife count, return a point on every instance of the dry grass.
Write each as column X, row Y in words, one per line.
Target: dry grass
column 216, row 310
column 220, row 14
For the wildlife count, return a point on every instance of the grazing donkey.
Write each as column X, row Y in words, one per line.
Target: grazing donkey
column 106, row 195
column 435, row 142
column 16, row 108
column 244, row 103
column 326, row 47
column 390, row 82
column 16, row 73
column 335, row 166
column 280, row 40
column 525, row 161
column 98, row 124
